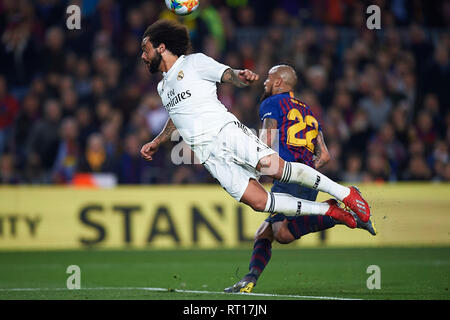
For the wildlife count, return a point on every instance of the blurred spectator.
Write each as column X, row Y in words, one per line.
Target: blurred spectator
column 335, row 125
column 111, row 138
column 446, row 175
column 418, row 169
column 69, row 101
column 353, row 169
column 377, row 167
column 333, row 168
column 377, row 106
column 8, row 173
column 19, row 53
column 431, row 105
column 213, row 26
column 107, row 17
column 154, row 113
column 425, row 130
column 43, row 139
column 65, row 164
column 9, row 107
column 27, row 116
column 132, row 166
column 249, row 114
column 82, row 81
column 53, row 54
column 360, row 132
column 317, row 79
column 386, row 143
column 95, row 159
column 440, row 158
column 86, row 125
column 399, row 120
column 437, row 75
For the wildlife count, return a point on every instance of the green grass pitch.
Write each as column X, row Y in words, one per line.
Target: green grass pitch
column 310, row 273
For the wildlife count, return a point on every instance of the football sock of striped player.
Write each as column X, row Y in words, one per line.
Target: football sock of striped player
column 303, row 225
column 262, row 252
column 295, row 172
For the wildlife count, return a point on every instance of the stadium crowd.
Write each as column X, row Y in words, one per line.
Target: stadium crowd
column 76, row 101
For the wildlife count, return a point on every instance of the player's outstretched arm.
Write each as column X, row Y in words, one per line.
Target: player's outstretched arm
column 321, row 154
column 239, row 78
column 149, row 149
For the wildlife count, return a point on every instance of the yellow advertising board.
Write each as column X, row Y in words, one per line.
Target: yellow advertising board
column 200, row 216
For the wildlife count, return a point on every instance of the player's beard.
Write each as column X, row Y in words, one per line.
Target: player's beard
column 153, row 66
column 264, row 96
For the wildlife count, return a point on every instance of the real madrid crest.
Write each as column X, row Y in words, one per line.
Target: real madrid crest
column 180, row 75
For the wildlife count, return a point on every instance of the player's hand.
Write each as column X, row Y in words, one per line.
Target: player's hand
column 247, row 77
column 148, row 150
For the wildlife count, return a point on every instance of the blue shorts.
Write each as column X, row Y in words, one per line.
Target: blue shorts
column 294, row 190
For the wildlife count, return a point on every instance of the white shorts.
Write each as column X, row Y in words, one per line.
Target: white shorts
column 234, row 156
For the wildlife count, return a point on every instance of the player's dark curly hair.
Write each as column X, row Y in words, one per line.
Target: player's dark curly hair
column 173, row 34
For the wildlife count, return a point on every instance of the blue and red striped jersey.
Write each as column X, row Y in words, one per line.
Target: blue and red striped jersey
column 297, row 126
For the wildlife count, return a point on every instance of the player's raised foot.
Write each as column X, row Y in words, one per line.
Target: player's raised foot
column 243, row 286
column 369, row 225
column 340, row 214
column 357, row 204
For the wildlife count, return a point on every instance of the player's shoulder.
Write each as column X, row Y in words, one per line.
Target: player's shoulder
column 269, row 107
column 273, row 99
column 196, row 57
column 302, row 104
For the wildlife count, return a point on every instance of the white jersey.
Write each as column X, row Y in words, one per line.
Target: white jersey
column 189, row 94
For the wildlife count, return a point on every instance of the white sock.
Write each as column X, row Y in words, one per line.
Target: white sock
column 295, row 172
column 290, row 206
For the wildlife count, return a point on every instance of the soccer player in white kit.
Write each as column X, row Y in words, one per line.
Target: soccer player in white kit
column 229, row 150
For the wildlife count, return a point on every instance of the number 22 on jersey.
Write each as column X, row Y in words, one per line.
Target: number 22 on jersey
column 310, row 121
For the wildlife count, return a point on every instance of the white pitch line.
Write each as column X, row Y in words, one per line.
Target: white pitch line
column 183, row 291
column 253, row 294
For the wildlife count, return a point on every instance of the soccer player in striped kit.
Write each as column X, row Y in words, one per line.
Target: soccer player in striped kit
column 300, row 139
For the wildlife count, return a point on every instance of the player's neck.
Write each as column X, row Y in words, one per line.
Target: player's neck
column 167, row 62
column 281, row 90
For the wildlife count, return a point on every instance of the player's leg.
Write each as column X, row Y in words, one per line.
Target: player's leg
column 261, row 254
column 295, row 227
column 293, row 172
column 233, row 160
column 259, row 199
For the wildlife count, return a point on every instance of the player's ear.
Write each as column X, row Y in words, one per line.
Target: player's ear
column 277, row 82
column 162, row 48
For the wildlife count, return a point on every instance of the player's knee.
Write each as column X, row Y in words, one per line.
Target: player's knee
column 283, row 236
column 264, row 162
column 264, row 232
column 258, row 204
column 271, row 165
column 268, row 165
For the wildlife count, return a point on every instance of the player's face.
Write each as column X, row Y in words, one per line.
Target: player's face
column 268, row 86
column 151, row 57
